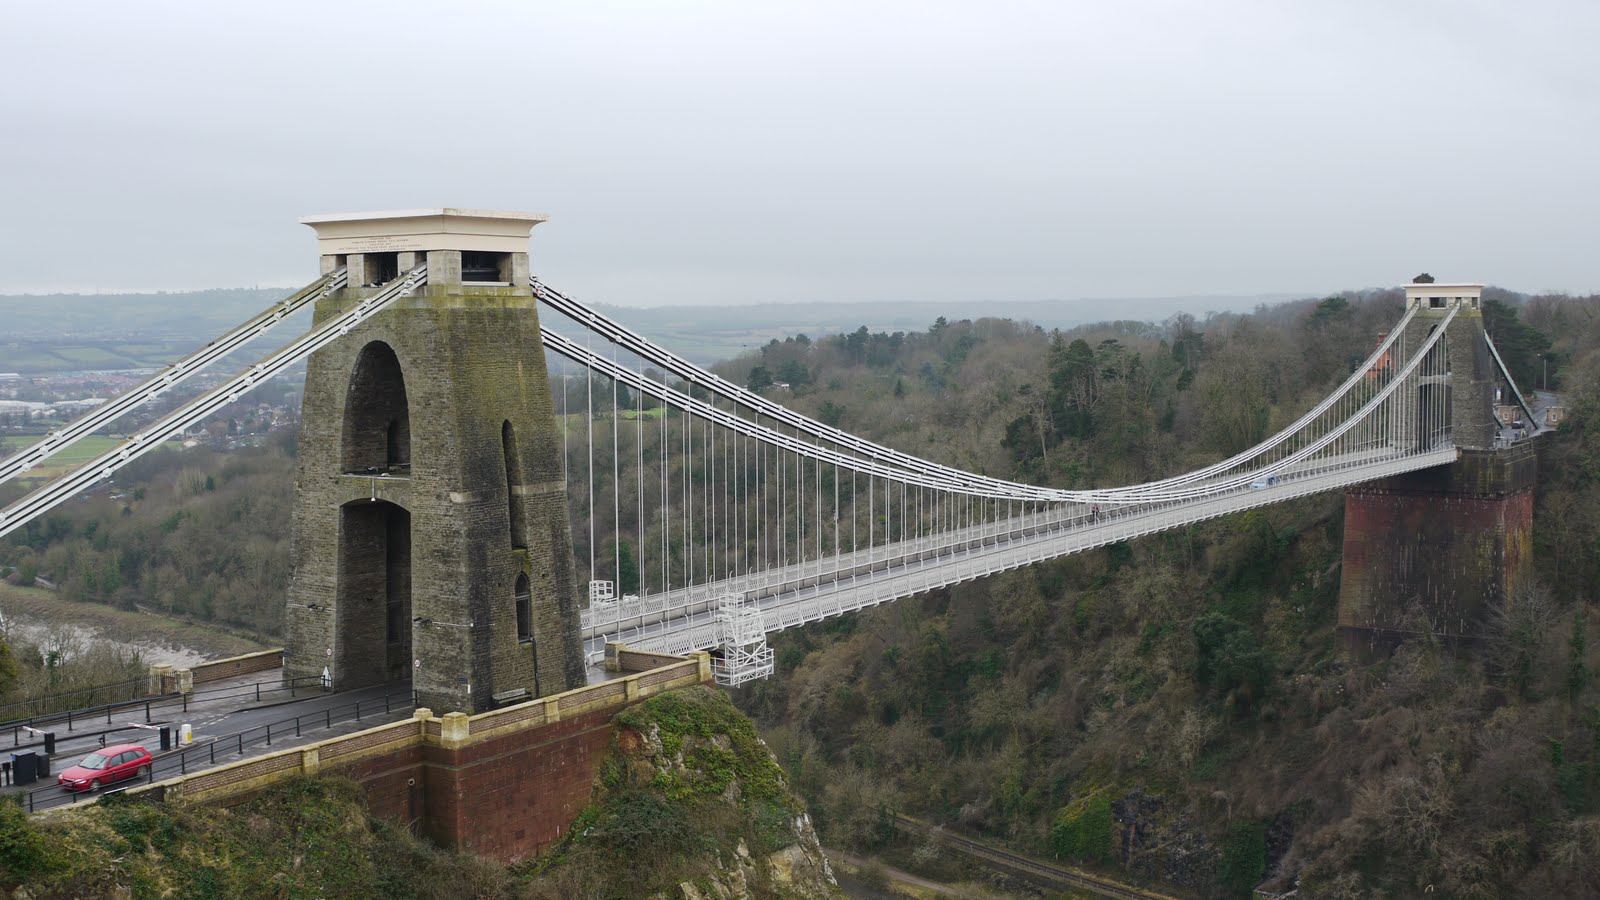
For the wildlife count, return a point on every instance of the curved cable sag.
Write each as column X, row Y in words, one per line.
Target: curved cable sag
column 979, row 485
column 1137, row 494
column 1327, row 403
column 686, row 610
column 694, row 406
column 1344, row 427
column 64, row 488
column 696, row 376
column 172, row 375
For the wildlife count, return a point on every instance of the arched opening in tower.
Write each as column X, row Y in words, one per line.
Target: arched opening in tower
column 373, row 627
column 377, row 419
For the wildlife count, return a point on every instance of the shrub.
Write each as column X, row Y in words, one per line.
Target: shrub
column 1082, row 831
column 1244, row 858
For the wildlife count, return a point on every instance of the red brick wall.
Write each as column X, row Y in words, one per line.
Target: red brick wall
column 512, row 796
column 396, row 784
column 1438, row 550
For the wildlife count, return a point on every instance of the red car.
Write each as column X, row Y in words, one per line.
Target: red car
column 112, row 764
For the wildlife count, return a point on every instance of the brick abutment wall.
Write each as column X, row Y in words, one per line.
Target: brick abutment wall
column 503, row 784
column 1436, row 550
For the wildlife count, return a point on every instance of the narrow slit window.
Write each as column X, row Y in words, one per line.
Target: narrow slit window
column 524, row 610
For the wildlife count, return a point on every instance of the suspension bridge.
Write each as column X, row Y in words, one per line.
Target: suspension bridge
column 449, row 541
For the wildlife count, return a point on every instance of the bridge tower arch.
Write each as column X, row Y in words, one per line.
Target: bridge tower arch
column 430, row 536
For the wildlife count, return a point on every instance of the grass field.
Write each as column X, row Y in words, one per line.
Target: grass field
column 85, row 449
column 215, row 642
column 93, row 357
column 42, row 358
column 61, row 463
column 31, row 359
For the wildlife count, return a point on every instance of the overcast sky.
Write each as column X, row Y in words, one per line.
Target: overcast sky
column 815, row 151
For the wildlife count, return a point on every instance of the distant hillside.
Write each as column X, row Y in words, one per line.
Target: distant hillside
column 61, row 332
column 711, row 333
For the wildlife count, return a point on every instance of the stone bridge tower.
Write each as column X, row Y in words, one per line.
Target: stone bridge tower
column 1440, row 548
column 430, row 532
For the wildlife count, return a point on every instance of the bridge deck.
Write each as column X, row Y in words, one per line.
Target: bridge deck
column 684, row 620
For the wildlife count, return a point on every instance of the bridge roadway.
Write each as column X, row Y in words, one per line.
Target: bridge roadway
column 685, row 619
column 223, row 722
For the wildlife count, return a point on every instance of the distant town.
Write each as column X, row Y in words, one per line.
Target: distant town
column 31, row 405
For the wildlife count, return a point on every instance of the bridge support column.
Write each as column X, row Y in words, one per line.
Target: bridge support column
column 1436, row 549
column 430, row 525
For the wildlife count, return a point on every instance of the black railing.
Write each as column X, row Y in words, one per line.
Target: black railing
column 74, row 718
column 201, row 756
column 52, row 703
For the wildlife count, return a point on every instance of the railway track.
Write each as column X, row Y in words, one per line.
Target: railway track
column 1054, row 875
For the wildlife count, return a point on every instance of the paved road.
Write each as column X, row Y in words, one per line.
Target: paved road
column 215, row 736
column 83, row 731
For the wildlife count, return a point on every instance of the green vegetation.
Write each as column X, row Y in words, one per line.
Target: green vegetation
column 305, row 838
column 1082, row 831
column 313, row 837
column 1244, row 858
column 686, row 778
column 82, row 451
column 193, row 534
column 1196, row 671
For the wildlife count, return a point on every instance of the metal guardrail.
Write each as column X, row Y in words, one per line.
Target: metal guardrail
column 75, row 717
column 137, row 686
column 203, row 755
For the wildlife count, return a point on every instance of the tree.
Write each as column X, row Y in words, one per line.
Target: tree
column 8, row 670
column 627, row 570
column 1074, row 387
column 1424, row 278
column 794, row 373
column 1522, row 347
column 1230, row 659
column 760, row 379
column 1328, row 311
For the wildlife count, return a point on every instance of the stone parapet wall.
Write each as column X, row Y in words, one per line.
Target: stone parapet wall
column 642, row 660
column 218, row 669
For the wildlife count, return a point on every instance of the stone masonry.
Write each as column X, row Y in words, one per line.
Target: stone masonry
column 413, row 524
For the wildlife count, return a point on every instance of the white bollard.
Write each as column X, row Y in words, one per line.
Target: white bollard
column 185, row 735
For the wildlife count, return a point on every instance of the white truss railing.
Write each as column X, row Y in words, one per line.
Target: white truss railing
column 820, row 589
column 742, row 639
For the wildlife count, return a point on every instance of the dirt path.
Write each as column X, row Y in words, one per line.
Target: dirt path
column 901, row 883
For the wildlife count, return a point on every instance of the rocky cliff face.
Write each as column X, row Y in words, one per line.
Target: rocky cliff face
column 689, row 804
